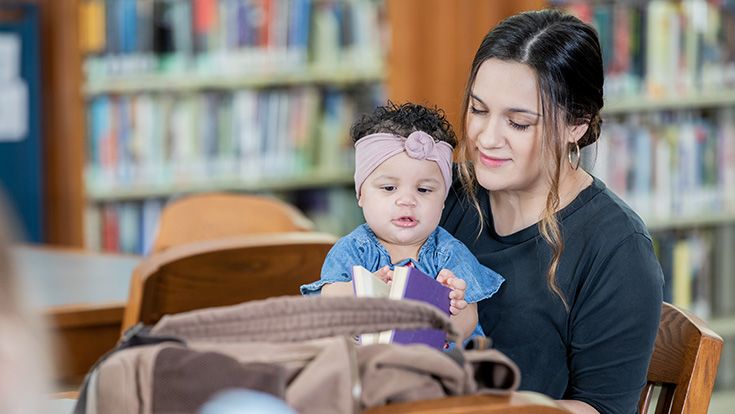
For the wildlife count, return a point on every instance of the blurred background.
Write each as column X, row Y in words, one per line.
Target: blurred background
column 109, row 109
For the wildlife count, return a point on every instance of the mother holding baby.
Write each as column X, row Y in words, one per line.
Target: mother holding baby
column 580, row 307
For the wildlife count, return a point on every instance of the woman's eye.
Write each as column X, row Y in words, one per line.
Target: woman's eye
column 519, row 127
column 475, row 110
column 388, row 188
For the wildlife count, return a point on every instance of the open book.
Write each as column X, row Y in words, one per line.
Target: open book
column 408, row 283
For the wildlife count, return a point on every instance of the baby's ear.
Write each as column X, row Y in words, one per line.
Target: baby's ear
column 359, row 200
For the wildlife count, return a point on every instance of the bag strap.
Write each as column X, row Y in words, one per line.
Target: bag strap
column 298, row 318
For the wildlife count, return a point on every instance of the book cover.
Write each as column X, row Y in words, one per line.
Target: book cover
column 408, row 283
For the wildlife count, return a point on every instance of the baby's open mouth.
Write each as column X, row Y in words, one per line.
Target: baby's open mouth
column 405, row 221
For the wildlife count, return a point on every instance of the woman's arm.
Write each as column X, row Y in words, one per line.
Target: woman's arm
column 613, row 322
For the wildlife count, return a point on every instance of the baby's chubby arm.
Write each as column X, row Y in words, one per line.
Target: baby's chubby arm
column 463, row 315
column 337, row 289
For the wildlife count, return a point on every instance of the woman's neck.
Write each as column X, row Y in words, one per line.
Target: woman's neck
column 514, row 210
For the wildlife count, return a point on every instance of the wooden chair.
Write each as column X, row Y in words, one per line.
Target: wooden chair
column 224, row 272
column 216, row 215
column 683, row 366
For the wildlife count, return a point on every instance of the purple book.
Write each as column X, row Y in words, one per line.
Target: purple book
column 408, row 283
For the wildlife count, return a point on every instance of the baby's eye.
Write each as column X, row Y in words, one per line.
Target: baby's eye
column 425, row 190
column 388, row 188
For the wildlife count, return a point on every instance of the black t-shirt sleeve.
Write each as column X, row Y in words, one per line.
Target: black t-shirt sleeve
column 613, row 327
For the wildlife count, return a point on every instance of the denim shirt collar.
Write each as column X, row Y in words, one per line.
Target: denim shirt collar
column 370, row 238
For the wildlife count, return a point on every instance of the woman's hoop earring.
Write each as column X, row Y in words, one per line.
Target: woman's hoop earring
column 574, row 155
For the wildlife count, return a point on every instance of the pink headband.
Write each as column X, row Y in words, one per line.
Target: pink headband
column 371, row 150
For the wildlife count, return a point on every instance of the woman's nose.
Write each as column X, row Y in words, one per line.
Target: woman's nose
column 490, row 136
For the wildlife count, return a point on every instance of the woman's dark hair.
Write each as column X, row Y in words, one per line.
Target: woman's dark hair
column 564, row 52
column 403, row 120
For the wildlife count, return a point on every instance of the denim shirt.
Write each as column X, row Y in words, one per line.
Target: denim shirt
column 440, row 251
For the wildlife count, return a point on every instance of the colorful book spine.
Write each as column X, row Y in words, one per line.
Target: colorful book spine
column 669, row 165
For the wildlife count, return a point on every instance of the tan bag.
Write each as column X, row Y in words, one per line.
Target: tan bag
column 294, row 348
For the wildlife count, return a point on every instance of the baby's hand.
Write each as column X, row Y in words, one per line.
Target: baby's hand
column 385, row 274
column 458, row 286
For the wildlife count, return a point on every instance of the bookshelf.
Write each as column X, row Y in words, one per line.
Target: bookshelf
column 203, row 63
column 668, row 144
column 185, row 96
column 441, row 37
column 308, row 181
column 256, row 79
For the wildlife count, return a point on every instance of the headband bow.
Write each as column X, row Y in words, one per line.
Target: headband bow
column 372, row 150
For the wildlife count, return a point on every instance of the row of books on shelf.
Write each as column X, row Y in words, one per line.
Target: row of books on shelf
column 698, row 268
column 246, row 135
column 672, row 164
column 125, row 37
column 663, row 47
column 130, row 226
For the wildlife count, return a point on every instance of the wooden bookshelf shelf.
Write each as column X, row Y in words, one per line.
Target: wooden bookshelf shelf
column 306, row 181
column 688, row 222
column 616, row 106
column 196, row 82
column 724, row 326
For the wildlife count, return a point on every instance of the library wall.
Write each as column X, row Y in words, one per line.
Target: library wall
column 433, row 44
column 61, row 121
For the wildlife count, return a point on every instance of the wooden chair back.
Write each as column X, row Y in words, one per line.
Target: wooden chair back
column 210, row 216
column 683, row 366
column 224, row 272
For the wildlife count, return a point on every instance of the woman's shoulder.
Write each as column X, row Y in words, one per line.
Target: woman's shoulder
column 606, row 214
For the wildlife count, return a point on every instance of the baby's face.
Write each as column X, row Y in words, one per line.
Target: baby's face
column 402, row 200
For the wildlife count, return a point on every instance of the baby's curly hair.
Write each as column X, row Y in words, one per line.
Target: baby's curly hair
column 403, row 120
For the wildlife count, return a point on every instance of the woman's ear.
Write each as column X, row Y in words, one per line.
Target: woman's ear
column 576, row 132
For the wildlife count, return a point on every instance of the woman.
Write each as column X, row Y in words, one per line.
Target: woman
column 581, row 303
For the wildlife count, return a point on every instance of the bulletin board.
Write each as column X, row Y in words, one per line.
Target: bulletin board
column 21, row 156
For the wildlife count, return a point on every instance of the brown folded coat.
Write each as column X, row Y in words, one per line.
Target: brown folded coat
column 278, row 346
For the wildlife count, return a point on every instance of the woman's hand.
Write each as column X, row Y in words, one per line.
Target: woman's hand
column 458, row 286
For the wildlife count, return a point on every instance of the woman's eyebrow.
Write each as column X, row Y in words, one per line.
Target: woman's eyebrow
column 524, row 111
column 513, row 110
column 473, row 96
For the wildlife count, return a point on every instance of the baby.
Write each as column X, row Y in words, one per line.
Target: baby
column 403, row 172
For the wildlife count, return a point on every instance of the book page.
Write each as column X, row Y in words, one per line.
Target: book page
column 366, row 284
